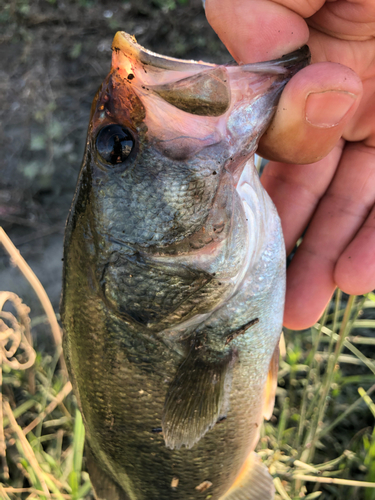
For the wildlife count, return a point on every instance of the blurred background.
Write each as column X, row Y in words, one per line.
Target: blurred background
column 54, row 54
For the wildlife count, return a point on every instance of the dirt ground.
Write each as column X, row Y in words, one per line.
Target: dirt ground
column 53, row 56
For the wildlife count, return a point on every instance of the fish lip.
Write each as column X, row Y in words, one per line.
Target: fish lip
column 286, row 66
column 293, row 61
column 128, row 45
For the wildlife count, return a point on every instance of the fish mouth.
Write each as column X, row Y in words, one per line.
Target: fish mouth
column 286, row 66
column 127, row 44
column 188, row 105
column 296, row 60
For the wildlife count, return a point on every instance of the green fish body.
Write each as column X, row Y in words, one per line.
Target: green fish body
column 174, row 278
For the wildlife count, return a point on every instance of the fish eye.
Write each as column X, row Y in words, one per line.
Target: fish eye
column 114, row 144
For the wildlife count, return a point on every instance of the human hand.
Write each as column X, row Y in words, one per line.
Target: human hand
column 326, row 109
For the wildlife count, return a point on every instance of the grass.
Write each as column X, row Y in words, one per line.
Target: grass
column 44, row 436
column 320, row 443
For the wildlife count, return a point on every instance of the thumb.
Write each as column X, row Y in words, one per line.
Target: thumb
column 313, row 111
column 317, row 103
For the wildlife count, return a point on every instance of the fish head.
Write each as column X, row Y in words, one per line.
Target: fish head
column 163, row 134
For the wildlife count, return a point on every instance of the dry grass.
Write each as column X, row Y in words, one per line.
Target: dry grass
column 319, row 444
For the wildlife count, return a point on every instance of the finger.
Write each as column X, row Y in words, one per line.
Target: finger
column 309, row 289
column 355, row 270
column 340, row 214
column 297, row 189
column 259, row 30
column 314, row 110
column 346, row 20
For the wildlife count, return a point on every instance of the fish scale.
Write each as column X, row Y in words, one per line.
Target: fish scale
column 174, row 278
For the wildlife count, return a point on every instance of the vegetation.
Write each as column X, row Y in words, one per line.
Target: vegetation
column 320, row 443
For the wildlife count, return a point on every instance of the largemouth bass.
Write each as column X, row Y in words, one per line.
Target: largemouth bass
column 174, row 278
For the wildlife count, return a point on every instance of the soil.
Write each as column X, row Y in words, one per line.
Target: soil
column 53, row 56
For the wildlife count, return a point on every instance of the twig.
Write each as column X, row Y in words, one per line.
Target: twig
column 343, row 415
column 367, row 400
column 302, row 465
column 28, row 490
column 369, row 363
column 29, row 454
column 20, row 262
column 14, row 334
column 3, row 448
column 334, row 480
column 314, row 433
column 59, row 399
column 3, row 494
column 280, row 489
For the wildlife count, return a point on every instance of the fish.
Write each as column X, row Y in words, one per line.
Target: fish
column 174, row 278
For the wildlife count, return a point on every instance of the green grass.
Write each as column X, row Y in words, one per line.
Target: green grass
column 49, row 459
column 320, row 443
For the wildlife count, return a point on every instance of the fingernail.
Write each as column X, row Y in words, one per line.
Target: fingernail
column 327, row 109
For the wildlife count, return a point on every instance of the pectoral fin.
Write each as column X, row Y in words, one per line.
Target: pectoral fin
column 253, row 482
column 271, row 384
column 195, row 398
